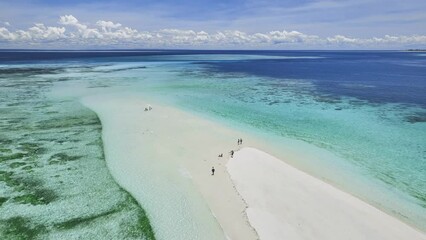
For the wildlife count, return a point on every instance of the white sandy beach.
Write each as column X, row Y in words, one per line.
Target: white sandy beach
column 286, row 203
column 163, row 158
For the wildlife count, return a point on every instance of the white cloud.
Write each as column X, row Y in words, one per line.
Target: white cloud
column 107, row 25
column 83, row 30
column 39, row 31
column 278, row 37
column 68, row 20
column 6, row 35
column 339, row 39
column 73, row 33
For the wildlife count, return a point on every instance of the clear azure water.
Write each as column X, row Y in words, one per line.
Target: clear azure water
column 368, row 108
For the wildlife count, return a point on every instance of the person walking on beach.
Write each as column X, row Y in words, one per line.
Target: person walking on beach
column 232, row 153
column 241, row 141
column 213, row 171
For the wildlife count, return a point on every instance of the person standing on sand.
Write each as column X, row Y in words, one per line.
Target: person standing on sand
column 232, row 153
column 213, row 171
column 241, row 141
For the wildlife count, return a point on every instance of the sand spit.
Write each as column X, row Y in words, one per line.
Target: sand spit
column 163, row 156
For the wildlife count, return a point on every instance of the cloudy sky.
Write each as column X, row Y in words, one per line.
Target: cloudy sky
column 213, row 24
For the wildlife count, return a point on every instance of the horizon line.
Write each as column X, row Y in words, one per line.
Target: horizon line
column 192, row 49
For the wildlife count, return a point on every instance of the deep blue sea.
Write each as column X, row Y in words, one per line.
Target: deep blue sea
column 379, row 77
column 376, row 76
column 368, row 108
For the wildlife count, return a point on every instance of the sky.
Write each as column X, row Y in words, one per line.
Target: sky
column 213, row 24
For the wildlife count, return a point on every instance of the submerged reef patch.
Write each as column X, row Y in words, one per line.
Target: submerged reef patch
column 416, row 118
column 19, row 228
column 61, row 158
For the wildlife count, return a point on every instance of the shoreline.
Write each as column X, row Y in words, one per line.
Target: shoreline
column 287, row 203
column 180, row 141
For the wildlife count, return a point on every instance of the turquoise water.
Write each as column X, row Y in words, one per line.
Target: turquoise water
column 54, row 183
column 372, row 141
column 366, row 109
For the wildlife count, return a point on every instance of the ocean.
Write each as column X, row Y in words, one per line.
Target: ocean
column 365, row 109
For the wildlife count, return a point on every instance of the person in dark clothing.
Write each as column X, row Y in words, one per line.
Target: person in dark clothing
column 213, row 171
column 232, row 153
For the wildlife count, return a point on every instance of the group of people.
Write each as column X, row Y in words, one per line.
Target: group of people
column 239, row 142
column 149, row 108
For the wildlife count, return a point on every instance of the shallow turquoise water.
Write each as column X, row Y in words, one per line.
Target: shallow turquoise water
column 373, row 141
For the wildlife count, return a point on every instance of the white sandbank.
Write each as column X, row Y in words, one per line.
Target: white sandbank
column 163, row 158
column 286, row 203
